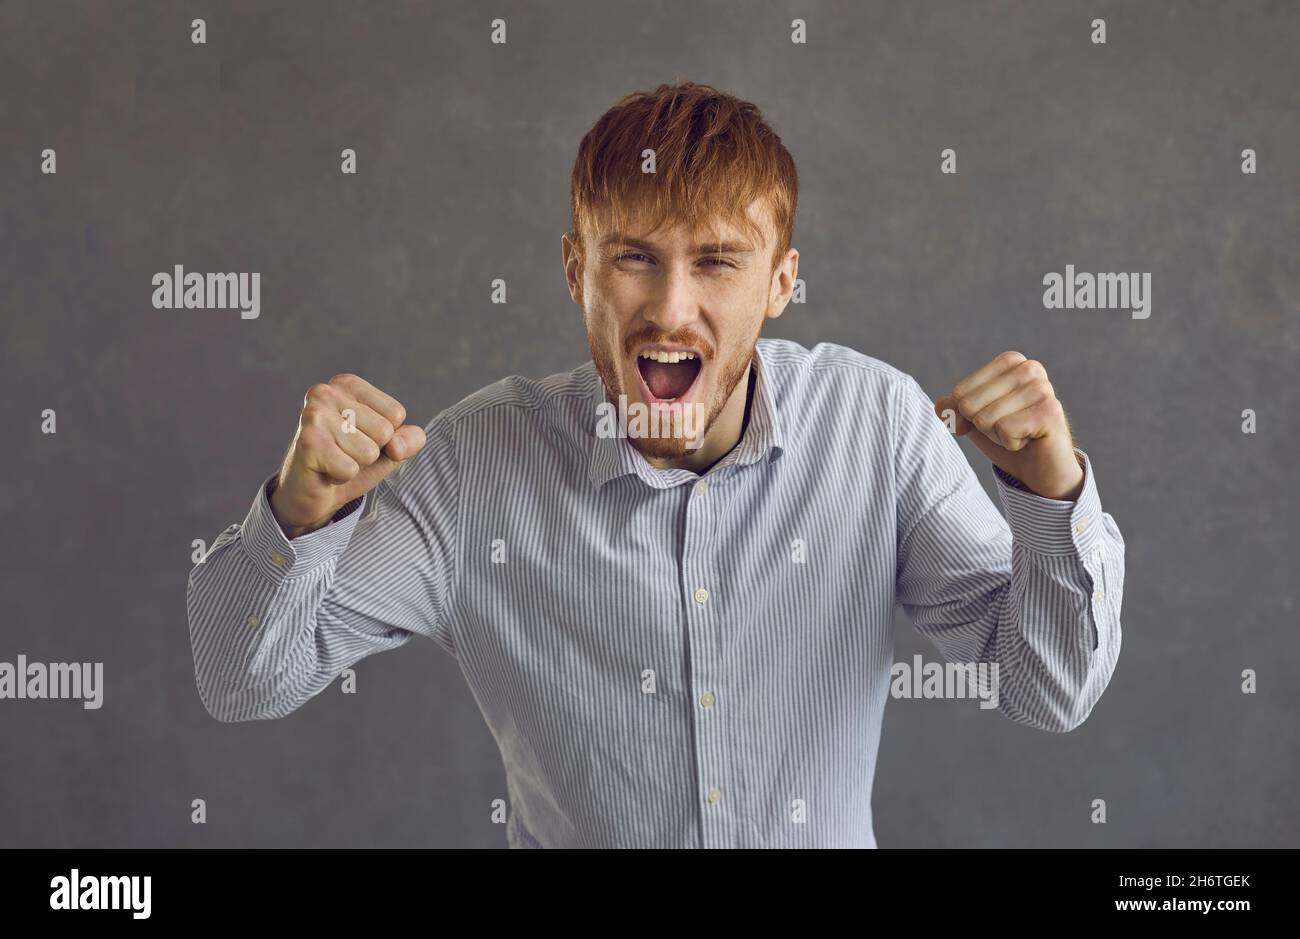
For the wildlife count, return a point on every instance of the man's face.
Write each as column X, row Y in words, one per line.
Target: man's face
column 673, row 320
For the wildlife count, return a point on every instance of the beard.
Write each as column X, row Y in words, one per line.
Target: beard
column 672, row 441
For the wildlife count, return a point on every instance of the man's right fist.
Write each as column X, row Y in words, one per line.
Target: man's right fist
column 350, row 437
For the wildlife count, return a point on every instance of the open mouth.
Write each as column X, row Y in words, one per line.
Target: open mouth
column 668, row 375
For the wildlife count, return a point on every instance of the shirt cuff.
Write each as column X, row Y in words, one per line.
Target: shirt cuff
column 1052, row 526
column 276, row 555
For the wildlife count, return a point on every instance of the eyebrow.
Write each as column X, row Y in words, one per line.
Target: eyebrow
column 726, row 247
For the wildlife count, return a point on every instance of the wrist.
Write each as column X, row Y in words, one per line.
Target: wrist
column 1068, row 488
column 291, row 531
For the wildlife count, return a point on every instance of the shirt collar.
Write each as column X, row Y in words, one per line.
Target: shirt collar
column 612, row 457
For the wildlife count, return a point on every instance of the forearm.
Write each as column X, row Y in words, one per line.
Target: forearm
column 260, row 631
column 1059, row 632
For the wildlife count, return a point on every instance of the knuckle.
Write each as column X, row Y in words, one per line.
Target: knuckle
column 311, row 437
column 1011, row 357
column 318, row 392
column 1032, row 368
column 343, row 379
column 314, row 413
column 399, row 413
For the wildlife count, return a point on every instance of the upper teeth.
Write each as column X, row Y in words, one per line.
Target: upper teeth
column 667, row 356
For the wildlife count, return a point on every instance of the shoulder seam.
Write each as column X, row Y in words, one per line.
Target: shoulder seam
column 456, row 418
column 883, row 368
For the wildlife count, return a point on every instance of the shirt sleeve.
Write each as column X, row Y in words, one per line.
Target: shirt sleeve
column 273, row 621
column 1038, row 593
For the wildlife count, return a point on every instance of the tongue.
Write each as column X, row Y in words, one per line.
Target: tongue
column 668, row 379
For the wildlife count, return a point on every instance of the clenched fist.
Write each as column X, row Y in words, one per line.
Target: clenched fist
column 350, row 436
column 1020, row 425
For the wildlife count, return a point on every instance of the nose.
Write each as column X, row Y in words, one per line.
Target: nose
column 675, row 304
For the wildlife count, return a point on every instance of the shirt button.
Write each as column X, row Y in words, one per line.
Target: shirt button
column 1099, row 596
column 1082, row 524
column 701, row 595
column 714, row 795
column 278, row 559
column 701, row 488
column 707, row 699
column 252, row 620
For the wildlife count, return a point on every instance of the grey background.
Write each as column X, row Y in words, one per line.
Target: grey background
column 1122, row 157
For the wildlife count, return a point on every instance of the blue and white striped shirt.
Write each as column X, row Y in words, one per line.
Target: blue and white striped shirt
column 667, row 659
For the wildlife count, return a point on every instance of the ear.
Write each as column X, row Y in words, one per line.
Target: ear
column 572, row 257
column 782, row 286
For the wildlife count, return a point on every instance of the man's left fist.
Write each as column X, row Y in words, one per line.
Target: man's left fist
column 1021, row 425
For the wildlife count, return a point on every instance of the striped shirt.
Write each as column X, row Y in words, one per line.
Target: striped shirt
column 668, row 659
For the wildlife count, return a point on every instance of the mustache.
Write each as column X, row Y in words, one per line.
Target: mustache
column 683, row 337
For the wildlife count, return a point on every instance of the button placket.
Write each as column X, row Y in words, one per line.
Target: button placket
column 703, row 625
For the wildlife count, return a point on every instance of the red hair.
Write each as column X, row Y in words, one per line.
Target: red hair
column 714, row 155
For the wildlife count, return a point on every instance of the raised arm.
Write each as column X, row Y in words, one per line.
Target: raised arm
column 349, row 550
column 1038, row 593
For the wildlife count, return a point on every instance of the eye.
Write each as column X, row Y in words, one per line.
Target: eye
column 723, row 262
column 628, row 255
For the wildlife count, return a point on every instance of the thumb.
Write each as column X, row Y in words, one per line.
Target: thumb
column 405, row 443
column 960, row 427
column 946, row 408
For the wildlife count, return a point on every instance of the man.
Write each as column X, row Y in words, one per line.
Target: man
column 679, row 638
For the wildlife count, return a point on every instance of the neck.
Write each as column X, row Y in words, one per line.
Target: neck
column 723, row 434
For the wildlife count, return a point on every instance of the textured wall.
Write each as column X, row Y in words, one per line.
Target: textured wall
column 1123, row 156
